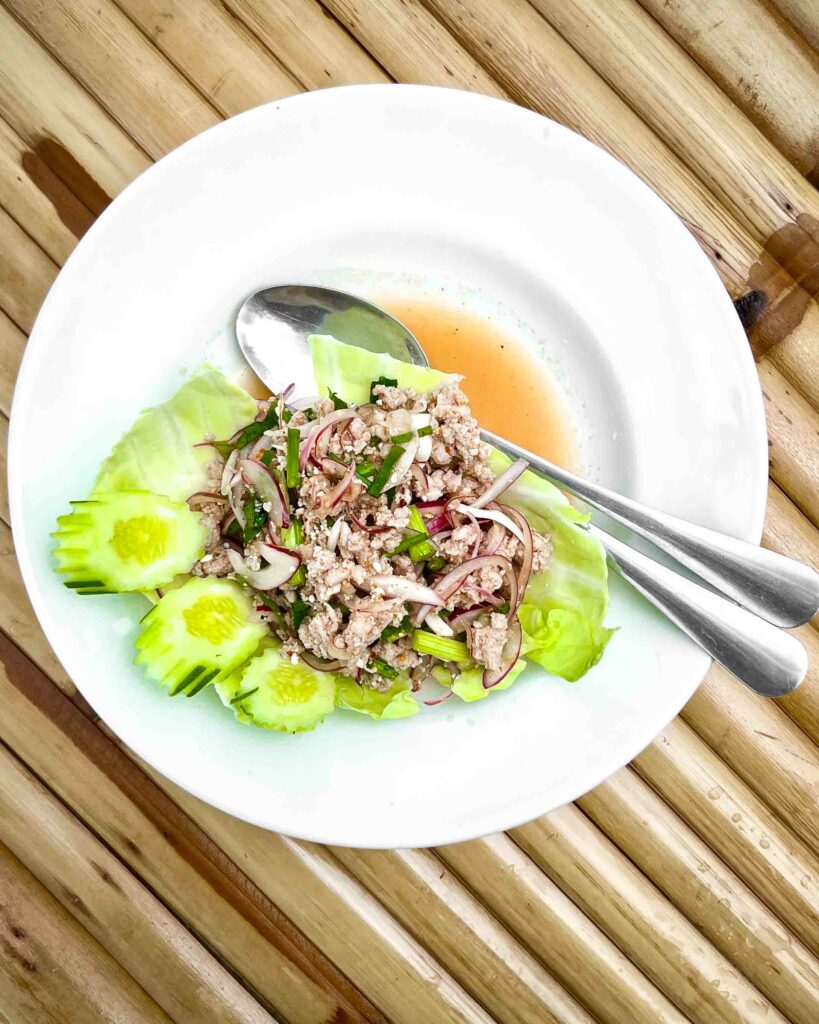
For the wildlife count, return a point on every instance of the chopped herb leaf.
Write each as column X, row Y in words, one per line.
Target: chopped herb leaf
column 234, row 530
column 338, row 403
column 268, row 457
column 383, row 668
column 300, row 609
column 253, row 431
column 388, row 382
column 404, row 628
column 256, row 518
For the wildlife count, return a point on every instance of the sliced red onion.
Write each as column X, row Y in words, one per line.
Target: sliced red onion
column 525, row 570
column 317, row 429
column 281, row 566
column 226, row 522
column 236, row 493
column 493, row 539
column 438, row 700
column 198, row 500
column 407, row 590
column 462, row 618
column 467, row 511
column 420, row 420
column 438, row 625
column 359, row 524
column 333, row 535
column 418, row 473
column 449, row 583
column 320, row 664
column 334, row 497
column 493, row 514
column 491, row 598
column 506, row 479
column 402, row 467
column 228, row 471
column 282, row 399
column 267, row 486
column 441, row 535
column 439, row 523
column 432, row 507
column 304, row 403
column 329, row 466
column 509, row 655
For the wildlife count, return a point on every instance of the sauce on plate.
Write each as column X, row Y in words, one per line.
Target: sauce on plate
column 508, row 390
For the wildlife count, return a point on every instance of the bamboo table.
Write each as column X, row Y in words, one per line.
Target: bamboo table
column 682, row 889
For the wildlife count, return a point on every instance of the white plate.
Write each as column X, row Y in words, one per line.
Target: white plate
column 390, row 188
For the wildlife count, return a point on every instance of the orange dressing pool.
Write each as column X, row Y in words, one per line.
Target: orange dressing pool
column 509, row 392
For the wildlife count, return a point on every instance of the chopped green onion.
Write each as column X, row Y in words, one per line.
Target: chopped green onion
column 383, row 668
column 402, row 438
column 338, row 403
column 390, row 633
column 425, row 431
column 271, row 606
column 407, row 544
column 253, row 431
column 434, row 564
column 293, row 438
column 301, row 609
column 287, row 415
column 384, row 473
column 255, row 517
column 242, row 696
column 420, row 552
column 292, row 536
column 439, row 646
column 388, row 382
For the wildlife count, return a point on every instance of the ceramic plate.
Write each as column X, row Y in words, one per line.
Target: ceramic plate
column 398, row 190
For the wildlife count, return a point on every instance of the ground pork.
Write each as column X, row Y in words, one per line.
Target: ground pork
column 487, row 640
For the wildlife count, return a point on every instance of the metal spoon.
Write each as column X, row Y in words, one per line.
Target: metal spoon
column 272, row 328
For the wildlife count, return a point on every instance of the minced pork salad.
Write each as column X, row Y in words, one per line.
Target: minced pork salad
column 361, row 549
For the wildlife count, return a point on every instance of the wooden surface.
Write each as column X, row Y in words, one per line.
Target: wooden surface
column 684, row 888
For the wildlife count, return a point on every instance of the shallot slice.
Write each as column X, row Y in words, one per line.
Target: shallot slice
column 268, row 488
column 438, row 625
column 407, row 590
column 281, row 566
column 487, row 513
column 506, row 479
column 320, row 664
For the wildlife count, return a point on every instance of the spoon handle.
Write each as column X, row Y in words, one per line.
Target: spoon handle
column 764, row 657
column 780, row 589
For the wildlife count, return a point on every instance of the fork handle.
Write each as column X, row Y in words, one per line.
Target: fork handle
column 768, row 660
column 778, row 588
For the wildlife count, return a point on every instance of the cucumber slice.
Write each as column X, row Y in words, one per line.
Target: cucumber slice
column 135, row 540
column 272, row 692
column 198, row 633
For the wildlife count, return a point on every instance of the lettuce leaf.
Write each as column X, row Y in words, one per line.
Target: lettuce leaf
column 469, row 684
column 157, row 453
column 563, row 611
column 397, row 702
column 349, row 370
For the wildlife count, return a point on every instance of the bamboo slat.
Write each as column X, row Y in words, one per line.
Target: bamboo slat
column 758, row 60
column 130, row 923
column 539, row 68
column 737, row 825
column 12, row 343
column 313, row 47
column 341, row 917
column 802, row 14
column 31, row 193
column 108, row 54
column 26, row 273
column 684, row 106
column 590, row 966
column 411, row 44
column 51, row 970
column 707, row 892
column 763, row 746
column 793, row 432
column 442, row 914
column 159, row 844
column 788, row 530
column 649, row 929
column 225, row 62
column 803, row 704
column 57, row 118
